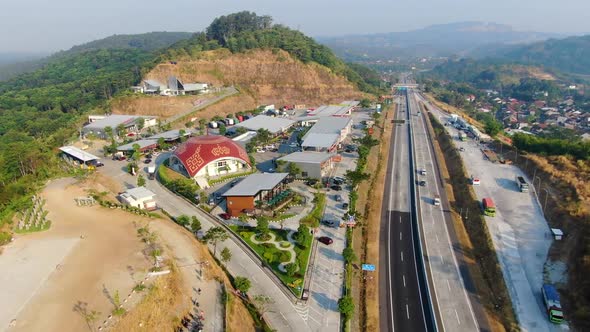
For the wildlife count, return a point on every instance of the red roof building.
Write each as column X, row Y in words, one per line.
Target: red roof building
column 209, row 156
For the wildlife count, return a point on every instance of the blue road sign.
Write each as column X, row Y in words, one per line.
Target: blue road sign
column 368, row 267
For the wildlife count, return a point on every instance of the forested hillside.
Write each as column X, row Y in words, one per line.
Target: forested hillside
column 570, row 55
column 146, row 42
column 42, row 110
column 245, row 31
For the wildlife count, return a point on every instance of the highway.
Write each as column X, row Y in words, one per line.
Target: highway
column 425, row 285
column 400, row 294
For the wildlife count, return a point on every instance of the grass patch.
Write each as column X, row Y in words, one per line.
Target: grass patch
column 273, row 256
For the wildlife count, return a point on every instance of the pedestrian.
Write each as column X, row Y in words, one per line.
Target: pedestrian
column 199, row 291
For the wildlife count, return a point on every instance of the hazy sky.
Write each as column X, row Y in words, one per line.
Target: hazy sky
column 50, row 25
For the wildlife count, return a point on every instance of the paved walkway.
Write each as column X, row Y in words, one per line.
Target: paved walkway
column 277, row 244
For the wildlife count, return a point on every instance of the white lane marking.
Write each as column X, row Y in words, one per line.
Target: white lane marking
column 407, row 311
column 402, row 255
column 449, row 239
column 400, row 236
column 404, row 279
column 457, row 314
column 448, row 285
column 436, row 237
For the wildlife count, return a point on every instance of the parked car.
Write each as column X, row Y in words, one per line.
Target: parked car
column 96, row 163
column 331, row 223
column 338, row 198
column 233, row 183
column 345, row 206
column 461, row 149
column 147, row 161
column 311, row 182
column 422, row 183
column 325, row 240
column 336, row 187
column 225, row 216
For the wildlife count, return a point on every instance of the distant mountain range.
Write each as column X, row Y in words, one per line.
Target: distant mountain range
column 433, row 41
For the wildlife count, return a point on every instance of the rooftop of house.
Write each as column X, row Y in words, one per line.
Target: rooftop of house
column 256, row 183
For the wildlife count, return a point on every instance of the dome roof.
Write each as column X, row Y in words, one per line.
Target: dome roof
column 197, row 152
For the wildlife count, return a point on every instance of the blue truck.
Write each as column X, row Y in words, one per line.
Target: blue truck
column 552, row 303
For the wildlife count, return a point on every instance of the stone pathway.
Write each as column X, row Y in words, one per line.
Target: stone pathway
column 277, row 244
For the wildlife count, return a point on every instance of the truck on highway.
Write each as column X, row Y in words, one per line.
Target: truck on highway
column 436, row 200
column 462, row 136
column 552, row 303
column 522, row 184
column 489, row 209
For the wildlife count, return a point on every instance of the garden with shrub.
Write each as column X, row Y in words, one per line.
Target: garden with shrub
column 273, row 256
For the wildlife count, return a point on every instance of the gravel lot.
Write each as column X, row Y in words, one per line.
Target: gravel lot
column 519, row 231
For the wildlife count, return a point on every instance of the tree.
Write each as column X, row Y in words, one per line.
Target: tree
column 182, row 134
column 136, row 152
column 120, row 130
column 293, row 169
column 222, row 129
column 365, row 103
column 140, row 123
column 291, row 269
column 214, row 235
column 189, row 124
column 108, row 130
column 195, row 224
column 346, row 306
column 302, row 236
column 242, row 284
column 263, row 135
column 349, row 255
column 225, row 255
column 140, row 180
column 262, row 225
column 183, row 220
column 492, row 127
column 355, row 177
column 263, row 303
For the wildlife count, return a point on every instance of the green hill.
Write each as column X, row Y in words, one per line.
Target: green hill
column 145, row 42
column 570, row 55
column 43, row 109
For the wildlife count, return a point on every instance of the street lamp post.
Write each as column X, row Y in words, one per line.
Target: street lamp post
column 545, row 204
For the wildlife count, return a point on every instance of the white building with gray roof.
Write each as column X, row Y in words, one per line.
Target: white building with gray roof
column 129, row 123
column 315, row 165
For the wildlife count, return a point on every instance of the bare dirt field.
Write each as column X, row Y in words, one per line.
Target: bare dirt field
column 47, row 274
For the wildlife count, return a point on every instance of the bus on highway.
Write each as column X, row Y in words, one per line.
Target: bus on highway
column 489, row 209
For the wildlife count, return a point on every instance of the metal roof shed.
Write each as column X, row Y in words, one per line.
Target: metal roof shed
column 272, row 124
column 78, row 154
column 144, row 144
column 320, row 141
column 307, row 157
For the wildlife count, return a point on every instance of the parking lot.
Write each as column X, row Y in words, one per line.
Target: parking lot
column 519, row 231
column 327, row 279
